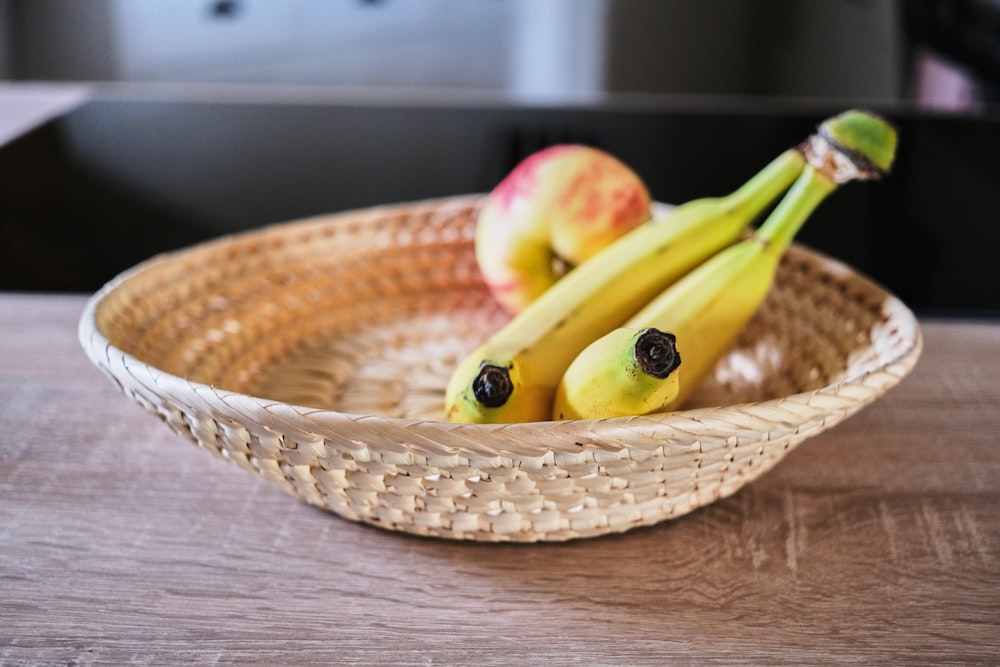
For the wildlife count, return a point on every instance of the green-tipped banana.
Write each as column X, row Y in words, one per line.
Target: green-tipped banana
column 708, row 308
column 641, row 365
column 513, row 376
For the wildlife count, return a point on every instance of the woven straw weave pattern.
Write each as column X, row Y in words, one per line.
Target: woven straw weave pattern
column 315, row 355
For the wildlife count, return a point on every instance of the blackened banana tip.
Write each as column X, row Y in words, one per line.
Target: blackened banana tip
column 656, row 353
column 492, row 386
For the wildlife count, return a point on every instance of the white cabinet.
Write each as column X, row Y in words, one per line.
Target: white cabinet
column 418, row 43
column 164, row 38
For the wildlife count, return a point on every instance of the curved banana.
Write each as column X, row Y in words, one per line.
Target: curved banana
column 513, row 376
column 641, row 365
column 558, row 206
column 708, row 308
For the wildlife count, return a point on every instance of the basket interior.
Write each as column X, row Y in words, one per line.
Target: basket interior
column 368, row 313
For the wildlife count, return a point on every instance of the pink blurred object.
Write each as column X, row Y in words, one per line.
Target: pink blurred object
column 945, row 85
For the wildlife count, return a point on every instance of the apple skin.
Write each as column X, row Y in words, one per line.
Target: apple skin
column 557, row 207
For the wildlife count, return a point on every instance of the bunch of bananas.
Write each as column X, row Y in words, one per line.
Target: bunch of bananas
column 637, row 326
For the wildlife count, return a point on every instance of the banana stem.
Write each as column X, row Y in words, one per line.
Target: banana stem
column 854, row 145
column 765, row 186
column 784, row 222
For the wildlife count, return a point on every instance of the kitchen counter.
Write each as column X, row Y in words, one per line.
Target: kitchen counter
column 25, row 106
column 877, row 542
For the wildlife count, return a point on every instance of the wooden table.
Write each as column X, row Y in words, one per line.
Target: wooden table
column 877, row 542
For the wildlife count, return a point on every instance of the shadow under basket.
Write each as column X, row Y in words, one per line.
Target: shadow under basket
column 315, row 354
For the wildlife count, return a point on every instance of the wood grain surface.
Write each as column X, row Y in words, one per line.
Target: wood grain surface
column 875, row 543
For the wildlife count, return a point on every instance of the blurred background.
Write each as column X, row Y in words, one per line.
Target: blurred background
column 202, row 117
column 942, row 52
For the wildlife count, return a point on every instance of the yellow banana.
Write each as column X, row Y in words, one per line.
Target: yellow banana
column 639, row 366
column 513, row 376
column 708, row 308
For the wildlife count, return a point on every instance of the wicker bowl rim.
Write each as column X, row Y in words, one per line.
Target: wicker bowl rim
column 439, row 445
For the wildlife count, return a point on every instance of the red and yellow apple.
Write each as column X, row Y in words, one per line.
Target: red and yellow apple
column 556, row 208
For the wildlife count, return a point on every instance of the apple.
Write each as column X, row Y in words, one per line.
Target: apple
column 554, row 210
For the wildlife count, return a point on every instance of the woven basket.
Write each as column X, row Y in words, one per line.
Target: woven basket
column 315, row 354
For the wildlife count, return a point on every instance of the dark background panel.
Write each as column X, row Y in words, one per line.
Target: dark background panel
column 116, row 180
